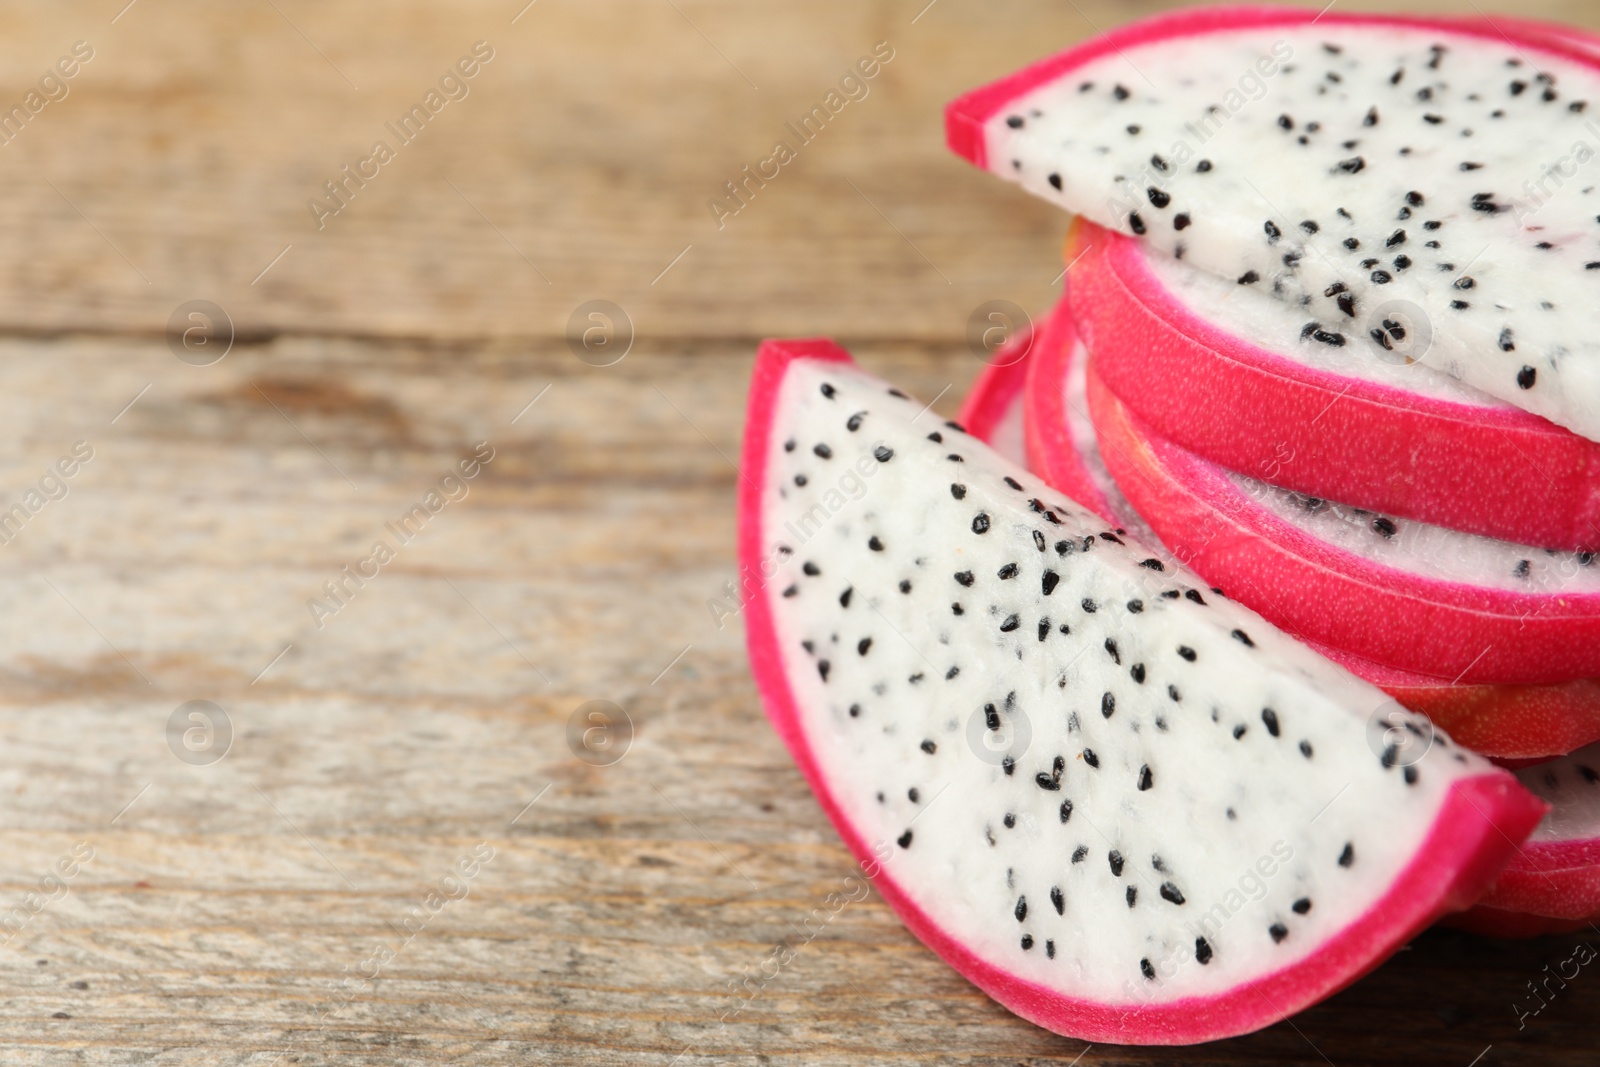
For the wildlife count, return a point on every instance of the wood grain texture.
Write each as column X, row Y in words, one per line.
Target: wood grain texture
column 231, row 910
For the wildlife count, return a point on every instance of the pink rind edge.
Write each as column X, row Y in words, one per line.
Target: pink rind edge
column 966, row 116
column 1395, row 423
column 1561, row 633
column 1472, row 835
column 999, row 384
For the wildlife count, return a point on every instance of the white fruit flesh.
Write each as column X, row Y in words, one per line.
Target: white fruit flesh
column 1249, row 154
column 1248, row 812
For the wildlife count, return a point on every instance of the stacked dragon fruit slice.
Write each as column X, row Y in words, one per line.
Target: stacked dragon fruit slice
column 1332, row 338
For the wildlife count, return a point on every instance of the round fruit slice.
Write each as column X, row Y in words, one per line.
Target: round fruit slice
column 1512, row 724
column 1352, row 421
column 1064, row 764
column 1395, row 591
column 1553, row 884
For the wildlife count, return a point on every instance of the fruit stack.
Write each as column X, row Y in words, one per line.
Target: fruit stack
column 1162, row 694
column 1365, row 397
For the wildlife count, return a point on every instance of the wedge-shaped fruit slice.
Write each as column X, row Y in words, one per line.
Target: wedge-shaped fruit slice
column 1348, row 165
column 1127, row 808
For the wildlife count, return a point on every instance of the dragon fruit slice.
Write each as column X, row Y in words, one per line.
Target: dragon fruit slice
column 1401, row 593
column 1553, row 884
column 1346, row 164
column 1512, row 724
column 1354, row 422
column 1126, row 808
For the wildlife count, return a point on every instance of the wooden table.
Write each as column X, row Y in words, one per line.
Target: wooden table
column 282, row 880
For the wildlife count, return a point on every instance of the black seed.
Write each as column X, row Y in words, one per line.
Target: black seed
column 929, row 747
column 1278, row 932
column 951, row 673
column 1310, row 226
column 1414, row 198
column 1108, row 705
column 1180, row 221
column 863, row 645
column 1239, row 731
column 1049, row 581
column 1285, row 122
column 800, row 480
column 1372, row 117
column 905, row 586
column 788, row 446
column 853, row 423
column 1249, row 277
column 1080, row 853
column 1111, row 649
column 1044, row 628
column 1401, row 262
column 827, row 390
column 1245, row 638
column 980, row 525
column 1157, row 197
column 792, row 590
column 1203, row 166
column 823, row 451
column 1398, row 237
column 1270, row 718
column 823, row 667
column 1174, row 695
column 1115, row 860
column 1464, row 282
column 1186, row 652
column 1066, row 813
column 1410, row 775
column 1014, row 121
column 810, row 568
column 1383, row 527
column 936, row 437
column 958, row 490
column 1021, row 910
column 1055, row 182
column 1008, row 765
column 855, row 710
column 1008, row 571
column 1038, row 540
column 1137, row 671
column 1526, row 376
column 1351, row 243
column 957, row 609
column 1305, row 749
column 1011, row 623
column 1089, row 606
column 874, row 543
column 1272, row 231
column 1135, row 606
column 1131, row 895
column 1353, row 165
column 905, row 839
column 1381, row 277
column 1152, row 564
column 1202, row 950
column 1090, row 758
column 1171, row 893
column 1119, row 92
column 1135, row 223
column 1521, row 569
column 1146, row 779
column 1192, row 594
column 1058, row 900
column 1302, row 905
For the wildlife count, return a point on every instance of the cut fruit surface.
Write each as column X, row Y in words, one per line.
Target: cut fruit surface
column 1553, row 883
column 1347, row 165
column 1128, row 809
column 1512, row 724
column 1223, row 371
column 1401, row 593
